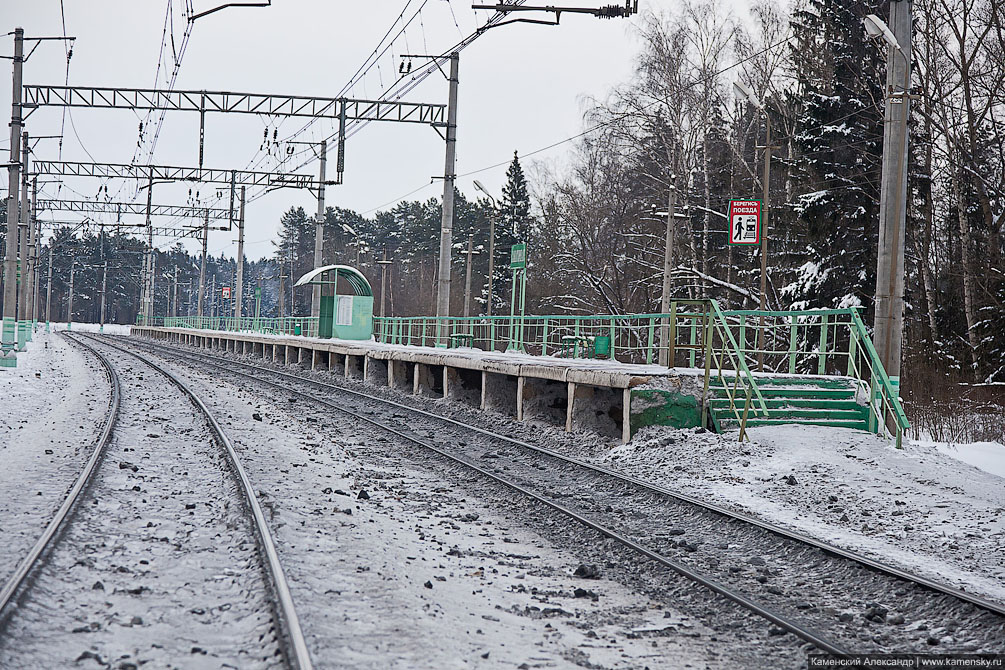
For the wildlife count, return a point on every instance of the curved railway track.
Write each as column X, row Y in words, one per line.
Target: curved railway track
column 18, row 588
column 979, row 618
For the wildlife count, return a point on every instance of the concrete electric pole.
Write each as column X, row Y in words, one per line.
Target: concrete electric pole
column 319, row 231
column 239, row 280
column 8, row 331
column 202, row 267
column 447, row 221
column 69, row 302
column 889, row 324
column 21, row 236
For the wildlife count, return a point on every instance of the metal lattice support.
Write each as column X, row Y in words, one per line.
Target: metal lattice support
column 243, row 103
column 174, row 173
column 89, row 207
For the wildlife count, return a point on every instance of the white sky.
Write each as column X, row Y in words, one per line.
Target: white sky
column 522, row 87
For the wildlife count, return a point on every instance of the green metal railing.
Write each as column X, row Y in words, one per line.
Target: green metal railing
column 629, row 338
column 731, row 347
column 821, row 342
column 305, row 326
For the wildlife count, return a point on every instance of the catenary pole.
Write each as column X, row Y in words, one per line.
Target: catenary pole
column 319, row 231
column 33, row 237
column 889, row 323
column 22, row 238
column 104, row 278
column 8, row 330
column 239, row 280
column 69, row 302
column 447, row 221
column 202, row 267
column 48, row 286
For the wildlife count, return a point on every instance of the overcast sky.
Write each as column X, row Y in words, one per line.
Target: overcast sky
column 522, row 88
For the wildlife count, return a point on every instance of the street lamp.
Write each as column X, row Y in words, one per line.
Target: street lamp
column 744, row 91
column 492, row 243
column 384, row 264
column 877, row 29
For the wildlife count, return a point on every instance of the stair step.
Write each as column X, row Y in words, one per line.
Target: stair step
column 810, row 381
column 719, row 392
column 732, row 423
column 822, row 414
column 779, row 402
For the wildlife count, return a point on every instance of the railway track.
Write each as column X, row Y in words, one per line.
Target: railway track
column 835, row 600
column 55, row 567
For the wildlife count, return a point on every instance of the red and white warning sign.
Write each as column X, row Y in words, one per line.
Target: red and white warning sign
column 226, row 293
column 745, row 222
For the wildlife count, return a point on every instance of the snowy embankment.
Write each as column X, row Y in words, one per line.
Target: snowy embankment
column 110, row 328
column 51, row 407
column 934, row 509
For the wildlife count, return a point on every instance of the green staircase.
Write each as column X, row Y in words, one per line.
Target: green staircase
column 807, row 399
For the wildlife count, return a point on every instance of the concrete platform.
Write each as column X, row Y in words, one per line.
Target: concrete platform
column 609, row 397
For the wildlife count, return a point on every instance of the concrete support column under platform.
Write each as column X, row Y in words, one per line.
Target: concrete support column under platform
column 576, row 392
column 626, row 416
column 451, row 382
column 520, row 382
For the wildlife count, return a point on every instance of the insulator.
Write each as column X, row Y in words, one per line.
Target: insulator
column 275, row 134
column 265, row 136
column 401, row 68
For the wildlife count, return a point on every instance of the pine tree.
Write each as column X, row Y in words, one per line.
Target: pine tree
column 839, row 137
column 515, row 203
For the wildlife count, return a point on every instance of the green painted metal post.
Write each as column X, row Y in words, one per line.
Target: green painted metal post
column 743, row 336
column 852, row 352
column 672, row 344
column 694, row 342
column 652, row 335
column 792, row 344
column 544, row 340
column 611, row 354
column 822, row 359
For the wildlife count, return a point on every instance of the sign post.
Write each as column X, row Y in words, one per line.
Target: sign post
column 745, row 222
column 258, row 305
column 518, row 264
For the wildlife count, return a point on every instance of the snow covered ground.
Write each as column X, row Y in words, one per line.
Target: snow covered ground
column 110, row 328
column 51, row 405
column 934, row 509
column 988, row 456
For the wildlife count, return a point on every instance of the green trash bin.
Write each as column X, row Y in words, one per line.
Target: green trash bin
column 296, row 329
column 602, row 346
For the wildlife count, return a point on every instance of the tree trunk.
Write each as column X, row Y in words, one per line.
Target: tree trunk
column 966, row 247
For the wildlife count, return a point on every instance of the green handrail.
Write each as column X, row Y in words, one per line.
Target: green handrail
column 886, row 387
column 741, row 363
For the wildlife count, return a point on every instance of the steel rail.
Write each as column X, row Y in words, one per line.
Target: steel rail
column 797, row 629
column 298, row 655
column 20, row 577
column 974, row 599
